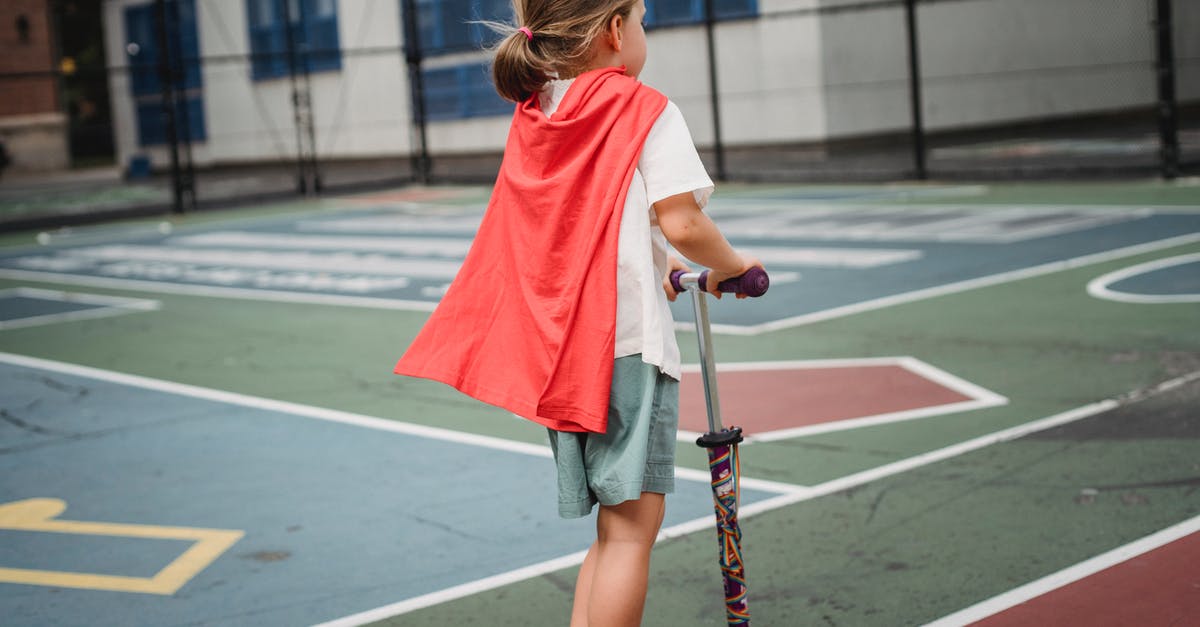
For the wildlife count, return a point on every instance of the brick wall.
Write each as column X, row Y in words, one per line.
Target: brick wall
column 26, row 46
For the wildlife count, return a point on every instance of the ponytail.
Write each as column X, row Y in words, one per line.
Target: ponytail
column 517, row 71
column 554, row 40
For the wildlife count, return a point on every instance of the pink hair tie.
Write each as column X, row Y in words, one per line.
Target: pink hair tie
column 528, row 33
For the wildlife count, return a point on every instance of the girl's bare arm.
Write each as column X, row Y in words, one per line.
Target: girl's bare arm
column 695, row 236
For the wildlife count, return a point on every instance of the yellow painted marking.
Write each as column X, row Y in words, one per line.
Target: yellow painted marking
column 39, row 515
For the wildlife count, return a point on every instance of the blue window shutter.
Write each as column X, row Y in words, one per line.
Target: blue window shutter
column 729, row 9
column 149, row 123
column 492, row 11
column 143, row 67
column 189, row 42
column 322, row 35
column 674, row 12
column 682, row 12
column 299, row 33
column 268, row 39
column 463, row 77
column 195, row 117
column 429, row 19
column 441, row 93
column 456, row 29
column 462, row 91
column 140, row 24
column 481, row 93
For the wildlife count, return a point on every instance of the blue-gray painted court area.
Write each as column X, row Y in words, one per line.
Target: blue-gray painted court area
column 1176, row 280
column 823, row 254
column 338, row 518
column 17, row 306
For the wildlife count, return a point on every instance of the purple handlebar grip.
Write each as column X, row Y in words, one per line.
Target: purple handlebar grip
column 675, row 281
column 753, row 283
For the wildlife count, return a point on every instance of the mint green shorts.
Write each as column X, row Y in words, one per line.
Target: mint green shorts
column 635, row 455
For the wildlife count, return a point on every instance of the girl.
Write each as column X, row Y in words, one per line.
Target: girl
column 557, row 313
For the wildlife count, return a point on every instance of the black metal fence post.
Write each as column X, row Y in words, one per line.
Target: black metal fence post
column 307, row 177
column 914, row 90
column 420, row 163
column 187, row 172
column 1168, row 121
column 718, row 143
column 183, row 197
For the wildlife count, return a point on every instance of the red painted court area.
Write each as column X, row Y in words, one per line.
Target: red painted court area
column 777, row 399
column 1159, row 587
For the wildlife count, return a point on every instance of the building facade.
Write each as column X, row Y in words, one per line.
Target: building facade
column 789, row 72
column 33, row 127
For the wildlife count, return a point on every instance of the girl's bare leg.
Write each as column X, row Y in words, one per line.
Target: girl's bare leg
column 583, row 587
column 611, row 589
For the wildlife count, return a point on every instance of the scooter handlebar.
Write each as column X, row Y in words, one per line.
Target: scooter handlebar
column 753, row 283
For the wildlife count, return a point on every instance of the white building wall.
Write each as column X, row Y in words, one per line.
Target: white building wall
column 767, row 72
column 246, row 120
column 985, row 62
column 791, row 75
column 361, row 110
column 863, row 78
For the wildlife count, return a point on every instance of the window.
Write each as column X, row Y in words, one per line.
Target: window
column 677, row 12
column 462, row 91
column 447, row 25
column 312, row 26
column 144, row 56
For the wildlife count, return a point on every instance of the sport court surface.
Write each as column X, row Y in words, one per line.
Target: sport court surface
column 966, row 402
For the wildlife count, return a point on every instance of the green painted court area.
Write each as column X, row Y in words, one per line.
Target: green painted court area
column 1077, row 446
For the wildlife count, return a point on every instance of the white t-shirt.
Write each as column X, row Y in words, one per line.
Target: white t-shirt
column 669, row 165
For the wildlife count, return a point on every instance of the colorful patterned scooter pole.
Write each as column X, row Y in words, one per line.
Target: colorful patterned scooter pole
column 721, row 443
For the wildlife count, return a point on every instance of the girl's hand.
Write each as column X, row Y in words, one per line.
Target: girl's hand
column 715, row 277
column 675, row 264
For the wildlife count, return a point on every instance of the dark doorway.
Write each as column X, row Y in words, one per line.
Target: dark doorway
column 85, row 81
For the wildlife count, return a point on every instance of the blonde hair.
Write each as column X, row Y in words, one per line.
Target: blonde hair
column 561, row 42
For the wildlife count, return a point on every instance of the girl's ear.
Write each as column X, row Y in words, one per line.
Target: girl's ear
column 614, row 31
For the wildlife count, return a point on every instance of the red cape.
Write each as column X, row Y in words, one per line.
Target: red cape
column 529, row 322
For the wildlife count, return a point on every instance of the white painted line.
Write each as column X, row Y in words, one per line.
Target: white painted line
column 1067, row 576
column 958, row 384
column 751, row 483
column 395, row 427
column 81, row 297
column 1099, row 287
column 212, row 291
column 336, row 416
column 464, row 224
column 104, row 307
column 343, row 262
column 925, row 459
column 870, row 421
column 307, row 411
column 953, row 288
column 70, row 316
column 831, row 257
column 738, row 330
column 980, row 397
column 455, row 247
column 333, row 415
column 752, row 509
column 458, row 592
column 798, row 364
column 1000, row 224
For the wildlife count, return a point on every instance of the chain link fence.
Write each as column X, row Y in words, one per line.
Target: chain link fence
column 225, row 100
